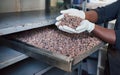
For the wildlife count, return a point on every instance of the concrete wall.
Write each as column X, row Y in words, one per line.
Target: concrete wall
column 21, row 5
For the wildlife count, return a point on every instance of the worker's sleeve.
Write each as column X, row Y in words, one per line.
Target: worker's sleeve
column 108, row 12
column 117, row 43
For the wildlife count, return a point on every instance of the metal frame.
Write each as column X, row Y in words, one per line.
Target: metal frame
column 58, row 60
column 9, row 56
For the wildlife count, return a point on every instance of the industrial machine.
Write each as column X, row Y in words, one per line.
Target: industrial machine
column 49, row 63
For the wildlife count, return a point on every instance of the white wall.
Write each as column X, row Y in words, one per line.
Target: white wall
column 7, row 5
column 27, row 5
column 21, row 5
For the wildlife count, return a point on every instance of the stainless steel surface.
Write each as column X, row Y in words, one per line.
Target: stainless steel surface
column 44, row 70
column 57, row 60
column 28, row 66
column 101, row 61
column 63, row 62
column 20, row 21
column 9, row 56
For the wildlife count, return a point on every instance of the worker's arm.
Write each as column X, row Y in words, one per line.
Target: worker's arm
column 107, row 35
column 103, row 14
column 100, row 15
column 91, row 16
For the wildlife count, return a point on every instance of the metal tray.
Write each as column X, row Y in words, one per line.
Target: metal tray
column 58, row 60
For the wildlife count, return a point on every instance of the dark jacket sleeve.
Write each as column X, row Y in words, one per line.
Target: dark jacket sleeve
column 108, row 12
column 117, row 43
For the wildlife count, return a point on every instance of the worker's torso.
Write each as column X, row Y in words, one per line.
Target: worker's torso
column 117, row 24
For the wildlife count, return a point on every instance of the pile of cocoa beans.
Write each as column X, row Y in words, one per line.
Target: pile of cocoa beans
column 70, row 21
column 52, row 39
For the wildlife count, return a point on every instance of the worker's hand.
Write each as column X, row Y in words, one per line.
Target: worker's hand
column 65, row 28
column 85, row 25
column 72, row 12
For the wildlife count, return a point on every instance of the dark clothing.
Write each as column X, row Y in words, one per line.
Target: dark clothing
column 114, row 61
column 109, row 13
column 105, row 14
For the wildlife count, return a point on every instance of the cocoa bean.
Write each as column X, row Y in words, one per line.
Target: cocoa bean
column 56, row 41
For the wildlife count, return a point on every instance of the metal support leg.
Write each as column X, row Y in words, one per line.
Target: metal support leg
column 80, row 69
column 84, row 5
column 44, row 70
column 77, row 70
